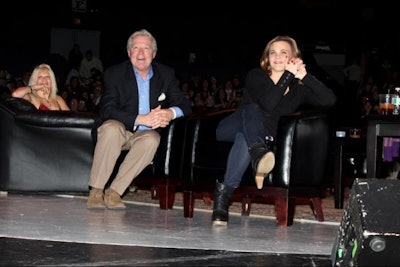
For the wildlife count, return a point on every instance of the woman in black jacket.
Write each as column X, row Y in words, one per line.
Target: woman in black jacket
column 278, row 87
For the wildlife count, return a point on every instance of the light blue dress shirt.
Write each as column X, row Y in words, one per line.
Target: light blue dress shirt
column 144, row 95
column 144, row 99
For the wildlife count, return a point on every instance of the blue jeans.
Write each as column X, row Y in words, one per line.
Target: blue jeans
column 246, row 127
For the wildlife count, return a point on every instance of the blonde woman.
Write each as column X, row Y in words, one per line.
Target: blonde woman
column 42, row 90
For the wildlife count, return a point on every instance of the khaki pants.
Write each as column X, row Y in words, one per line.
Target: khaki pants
column 112, row 138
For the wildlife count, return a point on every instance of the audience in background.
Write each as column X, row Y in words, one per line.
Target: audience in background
column 224, row 89
column 75, row 56
column 90, row 68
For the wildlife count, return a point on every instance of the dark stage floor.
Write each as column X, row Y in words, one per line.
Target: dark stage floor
column 58, row 230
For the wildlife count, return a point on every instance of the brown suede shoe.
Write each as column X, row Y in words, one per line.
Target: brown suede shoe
column 113, row 200
column 95, row 199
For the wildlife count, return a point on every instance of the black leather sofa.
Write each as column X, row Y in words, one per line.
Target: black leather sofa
column 52, row 151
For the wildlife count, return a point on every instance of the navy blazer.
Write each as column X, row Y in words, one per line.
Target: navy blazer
column 120, row 101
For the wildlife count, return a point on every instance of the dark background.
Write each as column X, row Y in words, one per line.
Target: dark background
column 230, row 34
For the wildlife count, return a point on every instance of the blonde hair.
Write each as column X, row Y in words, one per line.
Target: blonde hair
column 34, row 77
column 264, row 61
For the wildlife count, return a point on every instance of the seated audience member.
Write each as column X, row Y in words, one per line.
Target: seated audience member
column 90, row 69
column 140, row 97
column 95, row 98
column 278, row 86
column 74, row 104
column 42, row 90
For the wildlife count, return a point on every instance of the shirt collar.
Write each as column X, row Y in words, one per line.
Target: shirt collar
column 149, row 75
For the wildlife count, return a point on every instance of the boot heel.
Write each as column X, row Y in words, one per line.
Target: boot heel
column 220, row 223
column 259, row 180
column 265, row 165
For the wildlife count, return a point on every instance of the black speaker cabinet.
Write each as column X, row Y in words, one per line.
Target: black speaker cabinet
column 369, row 233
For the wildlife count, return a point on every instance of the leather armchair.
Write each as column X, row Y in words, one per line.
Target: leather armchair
column 44, row 150
column 162, row 175
column 52, row 151
column 300, row 172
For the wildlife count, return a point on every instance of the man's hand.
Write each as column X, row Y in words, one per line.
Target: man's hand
column 156, row 118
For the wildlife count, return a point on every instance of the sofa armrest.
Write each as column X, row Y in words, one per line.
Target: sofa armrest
column 26, row 113
column 204, row 157
column 56, row 119
column 16, row 104
column 168, row 158
column 309, row 112
column 303, row 138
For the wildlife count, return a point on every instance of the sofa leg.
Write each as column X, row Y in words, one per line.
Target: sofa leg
column 291, row 209
column 281, row 210
column 188, row 204
column 246, row 206
column 316, row 206
column 284, row 210
column 166, row 195
column 154, row 194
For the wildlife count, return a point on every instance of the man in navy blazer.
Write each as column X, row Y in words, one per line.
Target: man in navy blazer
column 140, row 97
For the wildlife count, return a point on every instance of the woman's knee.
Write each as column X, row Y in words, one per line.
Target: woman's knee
column 228, row 127
column 252, row 109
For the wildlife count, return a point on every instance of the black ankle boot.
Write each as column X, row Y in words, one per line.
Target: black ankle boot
column 256, row 153
column 222, row 196
column 269, row 143
column 262, row 160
